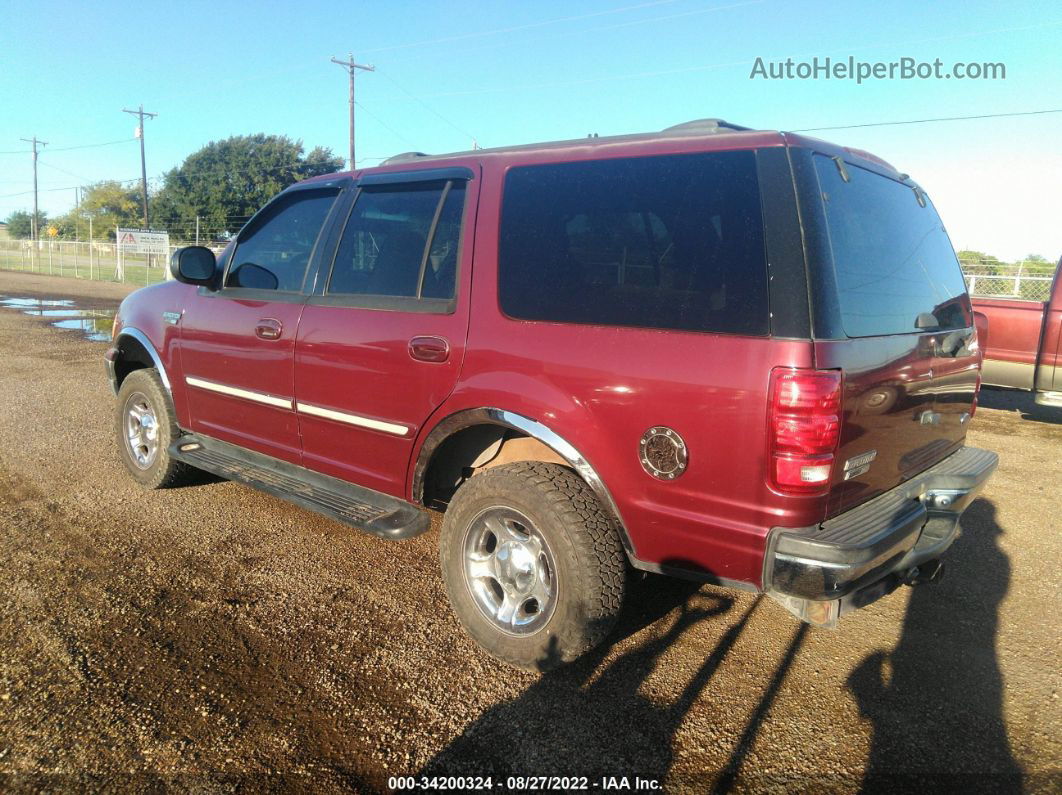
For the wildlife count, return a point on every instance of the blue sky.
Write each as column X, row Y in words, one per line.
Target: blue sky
column 504, row 73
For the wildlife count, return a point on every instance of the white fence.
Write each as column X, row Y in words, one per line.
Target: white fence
column 1030, row 281
column 97, row 260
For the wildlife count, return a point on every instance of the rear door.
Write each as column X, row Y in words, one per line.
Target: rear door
column 381, row 342
column 903, row 329
column 237, row 343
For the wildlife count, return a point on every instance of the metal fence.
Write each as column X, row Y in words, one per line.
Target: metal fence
column 1028, row 281
column 97, row 260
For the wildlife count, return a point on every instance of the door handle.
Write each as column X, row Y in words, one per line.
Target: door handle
column 268, row 328
column 429, row 349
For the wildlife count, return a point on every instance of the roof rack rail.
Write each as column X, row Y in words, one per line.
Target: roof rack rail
column 705, row 126
column 403, row 157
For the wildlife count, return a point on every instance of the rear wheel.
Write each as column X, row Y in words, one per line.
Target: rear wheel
column 533, row 565
column 146, row 426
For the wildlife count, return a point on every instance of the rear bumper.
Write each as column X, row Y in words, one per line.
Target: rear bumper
column 862, row 554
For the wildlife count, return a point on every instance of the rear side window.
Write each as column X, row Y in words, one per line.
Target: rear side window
column 669, row 242
column 401, row 241
column 892, row 259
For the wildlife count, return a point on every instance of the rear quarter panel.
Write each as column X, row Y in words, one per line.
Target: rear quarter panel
column 601, row 388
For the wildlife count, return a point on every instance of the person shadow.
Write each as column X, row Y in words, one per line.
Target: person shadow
column 583, row 711
column 935, row 701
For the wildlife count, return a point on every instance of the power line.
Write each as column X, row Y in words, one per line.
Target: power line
column 927, row 121
column 71, row 148
column 92, row 146
column 432, row 110
column 64, row 171
column 68, row 187
column 386, row 126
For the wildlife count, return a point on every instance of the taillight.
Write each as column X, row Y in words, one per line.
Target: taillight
column 804, row 426
column 977, row 393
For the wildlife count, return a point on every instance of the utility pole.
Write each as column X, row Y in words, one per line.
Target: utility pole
column 351, row 66
column 141, row 113
column 35, row 232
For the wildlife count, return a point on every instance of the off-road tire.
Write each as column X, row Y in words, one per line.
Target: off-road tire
column 163, row 472
column 591, row 568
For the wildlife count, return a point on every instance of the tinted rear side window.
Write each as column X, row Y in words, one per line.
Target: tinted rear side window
column 670, row 242
column 892, row 259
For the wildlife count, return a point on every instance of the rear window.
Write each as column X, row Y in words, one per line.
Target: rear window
column 671, row 242
column 892, row 259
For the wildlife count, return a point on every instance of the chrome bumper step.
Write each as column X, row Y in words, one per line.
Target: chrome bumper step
column 360, row 508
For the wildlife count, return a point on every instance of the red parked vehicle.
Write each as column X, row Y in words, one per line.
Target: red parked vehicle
column 1022, row 343
column 738, row 356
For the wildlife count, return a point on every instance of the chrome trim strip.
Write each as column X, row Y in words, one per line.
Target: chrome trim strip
column 530, row 427
column 353, row 419
column 141, row 337
column 246, row 394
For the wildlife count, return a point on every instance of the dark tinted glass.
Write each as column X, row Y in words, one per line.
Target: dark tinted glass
column 440, row 272
column 274, row 250
column 892, row 258
column 670, row 242
column 386, row 236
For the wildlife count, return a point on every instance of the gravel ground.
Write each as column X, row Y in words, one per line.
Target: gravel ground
column 215, row 638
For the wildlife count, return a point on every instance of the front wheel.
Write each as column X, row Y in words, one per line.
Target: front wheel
column 146, row 426
column 533, row 564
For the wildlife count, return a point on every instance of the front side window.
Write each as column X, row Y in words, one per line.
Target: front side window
column 670, row 242
column 401, row 241
column 895, row 268
column 272, row 252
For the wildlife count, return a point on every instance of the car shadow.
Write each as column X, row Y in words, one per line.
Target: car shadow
column 546, row 729
column 1021, row 402
column 935, row 700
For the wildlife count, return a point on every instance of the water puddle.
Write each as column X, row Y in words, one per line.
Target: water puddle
column 94, row 324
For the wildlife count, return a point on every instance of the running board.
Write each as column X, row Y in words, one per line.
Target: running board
column 356, row 506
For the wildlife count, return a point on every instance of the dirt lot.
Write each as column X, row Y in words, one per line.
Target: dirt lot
column 215, row 638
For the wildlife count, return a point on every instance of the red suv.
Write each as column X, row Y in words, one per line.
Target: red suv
column 738, row 356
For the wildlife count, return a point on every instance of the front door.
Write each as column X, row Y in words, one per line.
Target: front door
column 380, row 344
column 237, row 343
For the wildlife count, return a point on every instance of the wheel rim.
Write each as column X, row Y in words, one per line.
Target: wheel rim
column 141, row 430
column 510, row 571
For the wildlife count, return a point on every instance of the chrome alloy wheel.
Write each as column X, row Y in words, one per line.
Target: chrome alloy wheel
column 141, row 430
column 509, row 571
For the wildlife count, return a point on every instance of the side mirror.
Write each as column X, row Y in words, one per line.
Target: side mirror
column 194, row 265
column 927, row 321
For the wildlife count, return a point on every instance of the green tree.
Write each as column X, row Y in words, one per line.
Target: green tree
column 226, row 182
column 109, row 204
column 20, row 224
column 988, row 264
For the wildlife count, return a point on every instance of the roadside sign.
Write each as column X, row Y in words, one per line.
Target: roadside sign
column 143, row 241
